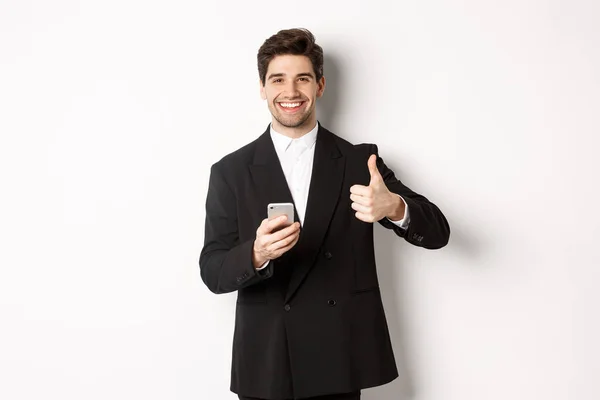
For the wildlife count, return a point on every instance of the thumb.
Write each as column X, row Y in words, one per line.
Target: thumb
column 375, row 175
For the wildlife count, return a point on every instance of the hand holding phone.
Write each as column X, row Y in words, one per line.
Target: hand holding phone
column 275, row 210
column 277, row 234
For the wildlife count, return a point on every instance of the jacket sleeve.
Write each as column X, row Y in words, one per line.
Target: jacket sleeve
column 225, row 263
column 428, row 227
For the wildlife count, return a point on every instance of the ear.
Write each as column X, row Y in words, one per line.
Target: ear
column 321, row 86
column 263, row 94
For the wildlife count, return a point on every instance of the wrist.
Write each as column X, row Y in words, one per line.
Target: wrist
column 257, row 260
column 398, row 208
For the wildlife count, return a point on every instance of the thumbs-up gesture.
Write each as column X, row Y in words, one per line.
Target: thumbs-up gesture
column 375, row 201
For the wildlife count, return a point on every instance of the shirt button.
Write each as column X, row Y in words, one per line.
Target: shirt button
column 331, row 302
column 287, row 307
column 328, row 255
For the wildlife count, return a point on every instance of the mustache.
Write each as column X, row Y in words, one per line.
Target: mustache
column 289, row 100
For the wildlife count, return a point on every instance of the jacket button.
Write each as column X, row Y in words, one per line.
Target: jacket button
column 287, row 307
column 418, row 237
column 331, row 302
column 328, row 255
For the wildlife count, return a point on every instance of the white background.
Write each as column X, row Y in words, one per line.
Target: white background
column 111, row 113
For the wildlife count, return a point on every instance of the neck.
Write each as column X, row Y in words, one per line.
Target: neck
column 294, row 132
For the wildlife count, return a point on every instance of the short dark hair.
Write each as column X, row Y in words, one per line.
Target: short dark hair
column 298, row 41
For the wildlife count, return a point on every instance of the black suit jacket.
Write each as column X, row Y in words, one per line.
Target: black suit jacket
column 312, row 323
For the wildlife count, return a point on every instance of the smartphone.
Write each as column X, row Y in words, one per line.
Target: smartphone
column 276, row 209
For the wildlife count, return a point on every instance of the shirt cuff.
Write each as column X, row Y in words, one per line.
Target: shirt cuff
column 403, row 223
column 263, row 266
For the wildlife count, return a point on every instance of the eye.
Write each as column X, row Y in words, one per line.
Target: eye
column 277, row 80
column 304, row 79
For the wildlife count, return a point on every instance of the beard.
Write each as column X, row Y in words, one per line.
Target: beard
column 290, row 121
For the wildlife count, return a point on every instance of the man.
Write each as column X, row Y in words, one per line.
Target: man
column 309, row 318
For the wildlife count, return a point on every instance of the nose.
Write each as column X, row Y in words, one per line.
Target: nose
column 291, row 90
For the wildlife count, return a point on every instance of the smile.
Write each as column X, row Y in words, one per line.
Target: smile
column 291, row 106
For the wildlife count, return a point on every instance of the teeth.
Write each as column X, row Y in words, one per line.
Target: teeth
column 289, row 105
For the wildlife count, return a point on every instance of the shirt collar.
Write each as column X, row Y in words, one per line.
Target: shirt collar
column 282, row 142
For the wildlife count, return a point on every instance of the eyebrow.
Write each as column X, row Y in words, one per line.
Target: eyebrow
column 279, row 75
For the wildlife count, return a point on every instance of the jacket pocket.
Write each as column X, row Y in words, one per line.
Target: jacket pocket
column 365, row 290
column 365, row 277
column 255, row 294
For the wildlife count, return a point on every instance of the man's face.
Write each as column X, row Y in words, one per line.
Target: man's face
column 291, row 90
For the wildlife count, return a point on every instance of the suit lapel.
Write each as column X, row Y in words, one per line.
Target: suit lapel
column 267, row 174
column 324, row 191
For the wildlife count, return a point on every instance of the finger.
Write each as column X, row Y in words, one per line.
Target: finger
column 372, row 164
column 363, row 217
column 288, row 247
column 265, row 233
column 360, row 208
column 361, row 190
column 276, row 223
column 285, row 232
column 277, row 252
column 365, row 201
column 273, row 247
column 262, row 228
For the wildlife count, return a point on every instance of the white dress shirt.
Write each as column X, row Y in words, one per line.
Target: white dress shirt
column 296, row 158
